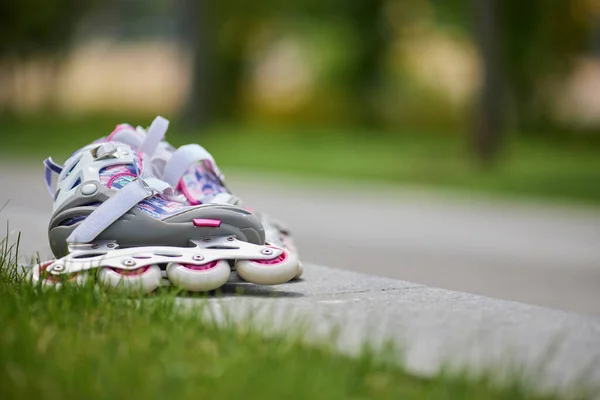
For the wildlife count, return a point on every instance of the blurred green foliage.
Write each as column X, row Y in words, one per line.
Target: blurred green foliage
column 353, row 39
column 539, row 41
column 38, row 27
column 230, row 26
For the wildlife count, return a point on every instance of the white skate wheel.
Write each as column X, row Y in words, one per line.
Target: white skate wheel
column 280, row 269
column 141, row 280
column 39, row 276
column 199, row 278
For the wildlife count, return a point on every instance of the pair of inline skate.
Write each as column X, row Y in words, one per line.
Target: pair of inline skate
column 133, row 212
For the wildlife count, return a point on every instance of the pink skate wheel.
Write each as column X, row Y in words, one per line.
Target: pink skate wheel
column 274, row 261
column 140, row 280
column 201, row 277
column 272, row 271
column 40, row 274
column 131, row 272
column 202, row 267
column 54, row 278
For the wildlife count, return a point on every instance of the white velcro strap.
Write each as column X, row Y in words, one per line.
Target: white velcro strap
column 128, row 136
column 154, row 135
column 159, row 186
column 182, row 159
column 110, row 211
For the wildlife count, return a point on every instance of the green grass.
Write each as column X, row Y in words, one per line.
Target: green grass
column 546, row 166
column 81, row 343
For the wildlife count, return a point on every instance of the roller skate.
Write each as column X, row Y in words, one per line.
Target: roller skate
column 115, row 222
column 193, row 172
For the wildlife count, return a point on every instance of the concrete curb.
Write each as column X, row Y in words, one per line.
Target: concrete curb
column 435, row 328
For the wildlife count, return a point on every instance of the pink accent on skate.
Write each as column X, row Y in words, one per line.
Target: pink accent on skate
column 183, row 189
column 110, row 182
column 107, row 174
column 202, row 267
column 46, row 274
column 118, row 128
column 127, row 272
column 118, row 176
column 212, row 223
column 200, row 184
column 273, row 261
column 53, row 278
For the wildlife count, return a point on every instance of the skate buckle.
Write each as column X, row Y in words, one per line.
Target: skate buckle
column 153, row 192
column 105, row 151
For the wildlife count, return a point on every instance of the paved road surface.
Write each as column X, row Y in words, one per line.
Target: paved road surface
column 543, row 255
column 535, row 254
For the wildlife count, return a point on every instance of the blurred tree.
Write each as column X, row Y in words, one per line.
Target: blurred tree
column 37, row 28
column 526, row 50
column 490, row 106
column 540, row 40
column 364, row 18
column 194, row 36
column 216, row 35
column 221, row 41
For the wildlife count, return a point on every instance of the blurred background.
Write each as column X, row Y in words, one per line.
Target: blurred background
column 492, row 99
column 429, row 91
column 484, row 73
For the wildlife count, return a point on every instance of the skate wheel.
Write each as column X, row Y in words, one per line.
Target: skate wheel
column 142, row 280
column 199, row 278
column 280, row 269
column 39, row 275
